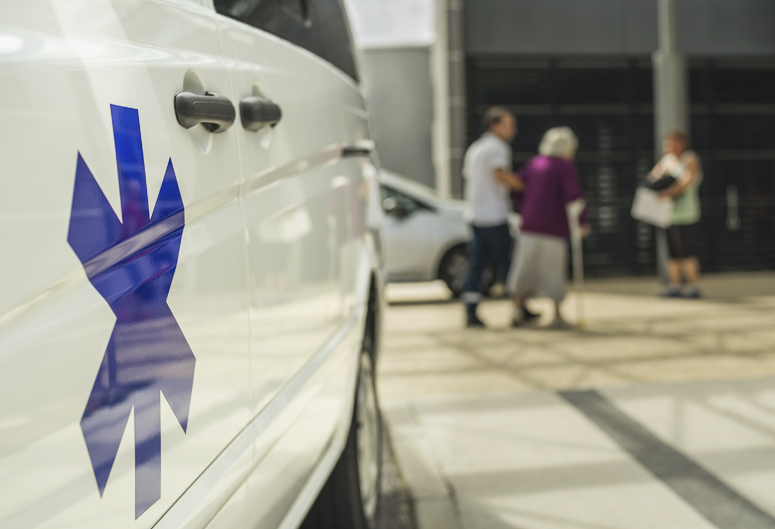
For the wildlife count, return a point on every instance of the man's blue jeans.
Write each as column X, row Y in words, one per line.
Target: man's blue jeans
column 492, row 243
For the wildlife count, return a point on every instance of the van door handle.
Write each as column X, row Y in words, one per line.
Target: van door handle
column 359, row 148
column 214, row 111
column 259, row 112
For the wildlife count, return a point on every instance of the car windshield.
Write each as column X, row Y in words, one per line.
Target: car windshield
column 405, row 185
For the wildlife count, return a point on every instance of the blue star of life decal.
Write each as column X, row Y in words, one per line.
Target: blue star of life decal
column 131, row 264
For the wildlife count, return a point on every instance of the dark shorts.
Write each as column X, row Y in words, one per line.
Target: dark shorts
column 680, row 241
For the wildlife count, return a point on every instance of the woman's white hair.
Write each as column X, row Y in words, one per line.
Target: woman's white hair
column 559, row 142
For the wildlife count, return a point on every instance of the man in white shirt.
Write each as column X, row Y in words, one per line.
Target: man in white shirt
column 489, row 180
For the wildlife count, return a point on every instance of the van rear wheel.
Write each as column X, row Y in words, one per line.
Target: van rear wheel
column 350, row 497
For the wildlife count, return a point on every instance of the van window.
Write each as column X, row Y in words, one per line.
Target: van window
column 319, row 26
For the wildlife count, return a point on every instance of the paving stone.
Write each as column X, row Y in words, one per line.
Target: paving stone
column 484, row 442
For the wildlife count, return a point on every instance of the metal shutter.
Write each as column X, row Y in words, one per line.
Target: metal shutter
column 608, row 103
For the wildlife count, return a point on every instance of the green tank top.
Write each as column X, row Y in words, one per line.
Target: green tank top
column 686, row 206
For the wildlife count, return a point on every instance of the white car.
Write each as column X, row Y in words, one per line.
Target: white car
column 426, row 235
column 191, row 268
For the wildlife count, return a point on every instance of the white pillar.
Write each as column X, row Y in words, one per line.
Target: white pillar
column 670, row 78
column 671, row 101
column 449, row 122
column 440, row 82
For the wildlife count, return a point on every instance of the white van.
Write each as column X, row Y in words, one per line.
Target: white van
column 190, row 286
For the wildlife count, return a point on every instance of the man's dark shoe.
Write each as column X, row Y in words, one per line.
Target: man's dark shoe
column 474, row 322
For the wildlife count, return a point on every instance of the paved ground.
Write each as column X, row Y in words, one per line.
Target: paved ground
column 660, row 414
column 396, row 508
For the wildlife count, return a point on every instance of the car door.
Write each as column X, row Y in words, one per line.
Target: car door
column 303, row 205
column 409, row 241
column 123, row 320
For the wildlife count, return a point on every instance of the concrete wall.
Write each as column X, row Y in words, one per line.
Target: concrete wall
column 727, row 27
column 398, row 79
column 617, row 27
column 400, row 98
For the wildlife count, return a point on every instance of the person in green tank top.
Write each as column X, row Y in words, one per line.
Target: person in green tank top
column 683, row 164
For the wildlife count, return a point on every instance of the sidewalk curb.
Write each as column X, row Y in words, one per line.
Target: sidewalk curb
column 433, row 504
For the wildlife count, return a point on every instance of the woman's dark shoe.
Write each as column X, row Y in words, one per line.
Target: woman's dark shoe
column 523, row 317
column 530, row 316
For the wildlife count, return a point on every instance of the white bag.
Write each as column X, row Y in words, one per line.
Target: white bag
column 649, row 208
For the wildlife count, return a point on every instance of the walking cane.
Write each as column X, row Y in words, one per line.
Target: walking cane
column 574, row 210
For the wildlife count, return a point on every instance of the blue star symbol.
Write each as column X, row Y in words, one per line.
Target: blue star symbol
column 131, row 264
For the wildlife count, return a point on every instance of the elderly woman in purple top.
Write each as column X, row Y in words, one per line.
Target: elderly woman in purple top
column 551, row 182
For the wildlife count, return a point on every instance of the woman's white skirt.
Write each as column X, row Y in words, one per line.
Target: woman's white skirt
column 538, row 266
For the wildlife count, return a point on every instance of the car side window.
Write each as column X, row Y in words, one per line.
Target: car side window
column 406, row 204
column 319, row 26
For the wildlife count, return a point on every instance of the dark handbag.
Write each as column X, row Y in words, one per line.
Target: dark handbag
column 661, row 183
